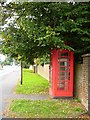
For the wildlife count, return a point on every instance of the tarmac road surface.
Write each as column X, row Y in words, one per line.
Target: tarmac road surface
column 9, row 77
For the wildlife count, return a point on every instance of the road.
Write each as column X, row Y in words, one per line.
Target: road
column 9, row 77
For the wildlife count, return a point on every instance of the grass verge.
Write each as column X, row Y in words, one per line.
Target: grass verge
column 51, row 108
column 32, row 84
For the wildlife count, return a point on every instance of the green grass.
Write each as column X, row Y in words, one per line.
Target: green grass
column 32, row 84
column 51, row 108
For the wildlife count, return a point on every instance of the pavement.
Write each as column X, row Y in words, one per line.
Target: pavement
column 9, row 77
column 27, row 97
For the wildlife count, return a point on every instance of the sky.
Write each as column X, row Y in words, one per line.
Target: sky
column 8, row 1
column 51, row 0
column 2, row 57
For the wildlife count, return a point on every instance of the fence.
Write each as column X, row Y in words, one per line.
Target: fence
column 43, row 71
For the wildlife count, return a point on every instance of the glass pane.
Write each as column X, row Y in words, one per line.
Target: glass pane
column 66, row 86
column 62, row 73
column 66, row 63
column 64, row 54
column 62, row 63
column 66, row 76
column 62, row 78
column 64, row 69
column 63, row 59
column 62, row 85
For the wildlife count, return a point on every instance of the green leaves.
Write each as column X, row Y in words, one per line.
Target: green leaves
column 38, row 27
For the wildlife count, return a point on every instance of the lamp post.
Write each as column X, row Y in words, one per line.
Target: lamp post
column 21, row 73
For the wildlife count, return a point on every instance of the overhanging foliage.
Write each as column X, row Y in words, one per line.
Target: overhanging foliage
column 39, row 27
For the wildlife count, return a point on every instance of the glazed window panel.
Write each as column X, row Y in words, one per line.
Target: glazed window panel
column 64, row 69
column 64, row 76
column 64, row 54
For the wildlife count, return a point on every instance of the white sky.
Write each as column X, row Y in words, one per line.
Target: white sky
column 2, row 57
column 8, row 1
column 52, row 0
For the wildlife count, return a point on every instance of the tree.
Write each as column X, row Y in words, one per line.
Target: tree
column 39, row 27
column 8, row 61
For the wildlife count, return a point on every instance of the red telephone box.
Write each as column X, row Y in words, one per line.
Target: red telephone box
column 61, row 73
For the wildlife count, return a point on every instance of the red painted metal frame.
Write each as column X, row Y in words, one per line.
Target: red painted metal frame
column 54, row 91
